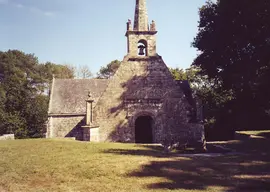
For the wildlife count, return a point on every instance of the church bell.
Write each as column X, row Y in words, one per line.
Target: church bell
column 141, row 49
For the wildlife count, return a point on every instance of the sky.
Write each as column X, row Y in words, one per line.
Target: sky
column 92, row 32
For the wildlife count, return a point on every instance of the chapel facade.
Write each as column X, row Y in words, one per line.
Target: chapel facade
column 141, row 103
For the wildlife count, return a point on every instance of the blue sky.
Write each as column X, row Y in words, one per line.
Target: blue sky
column 92, row 32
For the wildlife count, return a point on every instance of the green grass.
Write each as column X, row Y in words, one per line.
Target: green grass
column 66, row 165
column 263, row 133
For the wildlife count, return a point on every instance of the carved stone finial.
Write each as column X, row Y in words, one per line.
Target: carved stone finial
column 129, row 25
column 153, row 26
column 90, row 98
column 89, row 94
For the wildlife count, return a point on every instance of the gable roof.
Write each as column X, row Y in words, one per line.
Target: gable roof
column 68, row 95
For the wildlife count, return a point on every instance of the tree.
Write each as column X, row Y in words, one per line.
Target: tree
column 84, row 72
column 23, row 98
column 178, row 74
column 109, row 70
column 205, row 91
column 20, row 84
column 48, row 70
column 36, row 116
column 234, row 44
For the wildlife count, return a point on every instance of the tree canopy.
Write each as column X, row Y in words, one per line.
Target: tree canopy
column 24, row 86
column 109, row 70
column 234, row 44
column 48, row 70
column 83, row 72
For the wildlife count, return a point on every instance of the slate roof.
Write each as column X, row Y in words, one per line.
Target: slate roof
column 68, row 95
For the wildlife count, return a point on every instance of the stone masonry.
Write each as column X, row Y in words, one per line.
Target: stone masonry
column 66, row 126
column 67, row 107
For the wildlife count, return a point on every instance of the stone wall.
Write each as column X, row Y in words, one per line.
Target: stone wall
column 7, row 137
column 143, row 86
column 141, row 16
column 133, row 40
column 65, row 126
column 90, row 133
column 94, row 134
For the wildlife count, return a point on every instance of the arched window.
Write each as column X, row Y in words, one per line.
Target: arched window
column 142, row 48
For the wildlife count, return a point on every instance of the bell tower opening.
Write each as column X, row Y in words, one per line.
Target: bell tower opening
column 142, row 48
column 144, row 130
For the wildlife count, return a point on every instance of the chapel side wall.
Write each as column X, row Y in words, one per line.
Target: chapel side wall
column 180, row 126
column 67, row 126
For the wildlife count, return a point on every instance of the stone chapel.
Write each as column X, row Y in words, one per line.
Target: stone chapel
column 141, row 103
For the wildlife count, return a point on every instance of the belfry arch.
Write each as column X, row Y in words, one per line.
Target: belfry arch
column 142, row 48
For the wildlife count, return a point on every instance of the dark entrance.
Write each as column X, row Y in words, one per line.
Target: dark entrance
column 143, row 129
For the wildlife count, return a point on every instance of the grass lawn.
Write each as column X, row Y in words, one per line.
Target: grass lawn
column 66, row 165
column 263, row 133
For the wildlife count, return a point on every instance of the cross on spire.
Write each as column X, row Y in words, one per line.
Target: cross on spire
column 141, row 16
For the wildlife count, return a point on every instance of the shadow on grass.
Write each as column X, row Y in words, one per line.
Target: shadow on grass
column 244, row 143
column 249, row 171
column 146, row 150
column 158, row 151
column 232, row 173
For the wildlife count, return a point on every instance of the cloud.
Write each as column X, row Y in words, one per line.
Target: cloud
column 48, row 13
column 32, row 9
column 18, row 5
column 39, row 11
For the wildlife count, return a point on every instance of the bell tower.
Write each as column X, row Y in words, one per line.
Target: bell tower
column 141, row 39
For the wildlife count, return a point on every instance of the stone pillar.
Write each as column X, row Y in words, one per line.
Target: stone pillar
column 89, row 118
column 89, row 110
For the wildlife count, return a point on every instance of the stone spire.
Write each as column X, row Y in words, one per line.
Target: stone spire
column 141, row 17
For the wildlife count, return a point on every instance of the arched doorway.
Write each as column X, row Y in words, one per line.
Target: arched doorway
column 143, row 129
